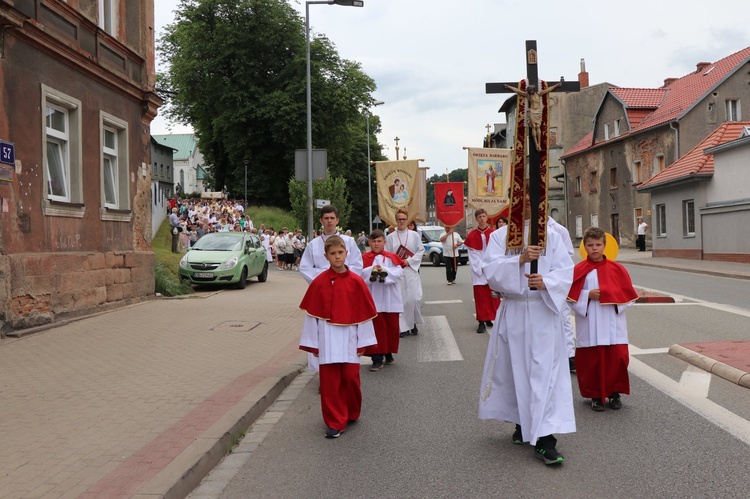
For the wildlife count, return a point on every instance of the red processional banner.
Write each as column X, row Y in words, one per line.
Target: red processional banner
column 449, row 202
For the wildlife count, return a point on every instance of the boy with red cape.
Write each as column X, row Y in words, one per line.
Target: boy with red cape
column 337, row 330
column 601, row 292
column 382, row 272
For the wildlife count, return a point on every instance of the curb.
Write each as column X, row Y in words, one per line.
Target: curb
column 716, row 273
column 185, row 472
column 710, row 365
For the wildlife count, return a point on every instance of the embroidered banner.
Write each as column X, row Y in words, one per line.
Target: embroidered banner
column 489, row 174
column 449, row 202
column 397, row 183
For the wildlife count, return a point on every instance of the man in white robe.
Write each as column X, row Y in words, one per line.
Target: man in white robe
column 526, row 378
column 407, row 244
column 314, row 262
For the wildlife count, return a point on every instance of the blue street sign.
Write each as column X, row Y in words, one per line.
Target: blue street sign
column 7, row 153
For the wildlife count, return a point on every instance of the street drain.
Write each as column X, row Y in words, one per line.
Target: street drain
column 236, row 326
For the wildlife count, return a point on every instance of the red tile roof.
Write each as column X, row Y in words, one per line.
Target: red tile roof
column 695, row 162
column 648, row 98
column 581, row 145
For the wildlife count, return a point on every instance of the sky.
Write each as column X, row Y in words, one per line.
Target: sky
column 430, row 59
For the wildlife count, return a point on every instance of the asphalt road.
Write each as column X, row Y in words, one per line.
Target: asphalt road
column 681, row 433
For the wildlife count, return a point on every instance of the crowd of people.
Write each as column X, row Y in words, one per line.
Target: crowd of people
column 364, row 303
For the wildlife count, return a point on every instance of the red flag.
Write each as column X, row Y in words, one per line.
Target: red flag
column 449, row 202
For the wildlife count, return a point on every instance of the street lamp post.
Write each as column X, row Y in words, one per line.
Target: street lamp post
column 369, row 164
column 348, row 3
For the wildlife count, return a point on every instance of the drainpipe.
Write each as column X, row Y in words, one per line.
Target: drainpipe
column 565, row 193
column 676, row 139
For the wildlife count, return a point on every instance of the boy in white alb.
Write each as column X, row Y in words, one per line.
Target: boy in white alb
column 407, row 244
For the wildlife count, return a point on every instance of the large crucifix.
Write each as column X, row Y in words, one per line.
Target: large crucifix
column 537, row 144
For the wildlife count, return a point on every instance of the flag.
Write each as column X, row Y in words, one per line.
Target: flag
column 449, row 202
column 397, row 188
column 489, row 176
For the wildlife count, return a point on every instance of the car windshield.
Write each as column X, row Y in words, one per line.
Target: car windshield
column 219, row 242
column 433, row 234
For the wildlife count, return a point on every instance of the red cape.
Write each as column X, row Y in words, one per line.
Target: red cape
column 369, row 257
column 339, row 299
column 474, row 238
column 614, row 282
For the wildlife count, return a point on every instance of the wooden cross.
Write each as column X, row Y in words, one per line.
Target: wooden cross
column 532, row 77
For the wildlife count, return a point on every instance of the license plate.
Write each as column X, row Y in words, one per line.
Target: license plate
column 203, row 275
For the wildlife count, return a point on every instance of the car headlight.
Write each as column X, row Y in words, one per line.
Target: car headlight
column 183, row 262
column 228, row 264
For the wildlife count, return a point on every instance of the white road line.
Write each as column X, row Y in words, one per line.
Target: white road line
column 634, row 350
column 711, row 411
column 442, row 302
column 696, row 380
column 680, row 298
column 436, row 341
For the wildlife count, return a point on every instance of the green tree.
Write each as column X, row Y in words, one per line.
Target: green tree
column 333, row 189
column 237, row 75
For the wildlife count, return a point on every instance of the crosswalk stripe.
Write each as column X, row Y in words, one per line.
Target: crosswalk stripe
column 442, row 302
column 436, row 341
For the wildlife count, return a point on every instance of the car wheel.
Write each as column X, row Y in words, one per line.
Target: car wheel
column 435, row 259
column 242, row 283
column 264, row 274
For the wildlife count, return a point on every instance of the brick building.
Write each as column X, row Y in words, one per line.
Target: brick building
column 78, row 98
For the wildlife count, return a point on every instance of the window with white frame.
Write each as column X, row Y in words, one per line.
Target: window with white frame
column 61, row 154
column 661, row 220
column 578, row 186
column 617, row 128
column 114, row 164
column 108, row 16
column 658, row 163
column 579, row 226
column 733, row 110
column 595, row 220
column 606, row 131
column 638, row 172
column 688, row 218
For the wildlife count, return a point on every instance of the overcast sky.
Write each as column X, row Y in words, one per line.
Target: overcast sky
column 430, row 59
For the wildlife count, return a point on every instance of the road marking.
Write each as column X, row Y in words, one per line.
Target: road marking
column 711, row 411
column 732, row 309
column 634, row 350
column 437, row 343
column 696, row 380
column 442, row 302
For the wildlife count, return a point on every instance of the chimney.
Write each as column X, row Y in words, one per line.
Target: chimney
column 583, row 76
column 669, row 81
column 701, row 66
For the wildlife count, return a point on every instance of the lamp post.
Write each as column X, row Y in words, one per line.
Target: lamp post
column 347, row 3
column 369, row 164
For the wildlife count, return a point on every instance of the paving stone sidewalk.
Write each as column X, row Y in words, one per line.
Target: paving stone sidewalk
column 144, row 400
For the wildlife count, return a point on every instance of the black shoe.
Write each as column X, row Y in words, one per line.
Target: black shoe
column 489, row 323
column 546, row 451
column 415, row 331
column 389, row 360
column 376, row 366
column 572, row 364
column 482, row 328
column 332, row 433
column 403, row 334
column 615, row 402
column 597, row 405
column 373, row 277
column 518, row 435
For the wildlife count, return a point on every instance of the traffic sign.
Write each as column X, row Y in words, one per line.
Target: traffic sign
column 7, row 153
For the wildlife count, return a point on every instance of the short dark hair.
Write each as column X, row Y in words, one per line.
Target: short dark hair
column 479, row 212
column 375, row 234
column 329, row 208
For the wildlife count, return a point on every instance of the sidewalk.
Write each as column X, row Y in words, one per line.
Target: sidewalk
column 143, row 401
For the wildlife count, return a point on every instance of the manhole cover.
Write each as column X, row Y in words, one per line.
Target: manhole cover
column 236, row 326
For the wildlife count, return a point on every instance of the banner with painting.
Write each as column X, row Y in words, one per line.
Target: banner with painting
column 449, row 202
column 397, row 188
column 489, row 174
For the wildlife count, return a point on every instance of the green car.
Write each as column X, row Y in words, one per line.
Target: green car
column 225, row 258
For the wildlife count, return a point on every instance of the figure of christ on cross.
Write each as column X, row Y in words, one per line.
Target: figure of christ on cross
column 534, row 99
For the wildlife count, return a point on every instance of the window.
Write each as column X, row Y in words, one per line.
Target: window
column 661, row 220
column 688, row 218
column 182, row 180
column 606, row 131
column 595, row 220
column 114, row 168
column 579, row 226
column 613, row 178
column 733, row 110
column 578, row 186
column 62, row 154
column 658, row 163
column 594, row 185
column 617, row 128
column 108, row 16
column 638, row 172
